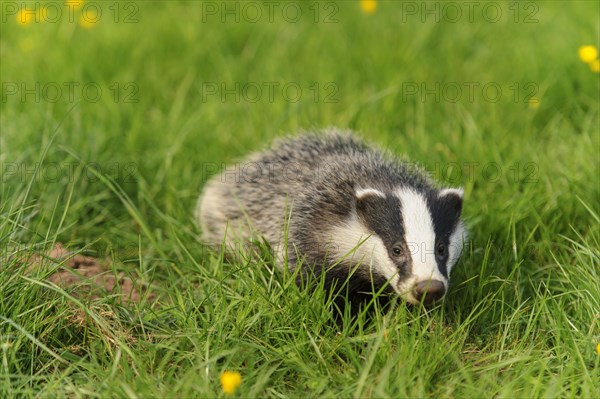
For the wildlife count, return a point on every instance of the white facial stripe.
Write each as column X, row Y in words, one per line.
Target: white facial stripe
column 352, row 241
column 419, row 236
column 458, row 236
column 457, row 240
column 361, row 193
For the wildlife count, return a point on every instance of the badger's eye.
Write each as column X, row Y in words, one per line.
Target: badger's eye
column 397, row 250
column 441, row 250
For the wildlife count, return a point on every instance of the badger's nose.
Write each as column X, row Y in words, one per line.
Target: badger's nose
column 429, row 291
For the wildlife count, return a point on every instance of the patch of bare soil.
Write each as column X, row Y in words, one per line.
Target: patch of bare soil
column 88, row 277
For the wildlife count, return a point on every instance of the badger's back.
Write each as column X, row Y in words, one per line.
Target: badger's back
column 300, row 188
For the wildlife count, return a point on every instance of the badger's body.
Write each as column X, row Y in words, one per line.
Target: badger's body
column 333, row 205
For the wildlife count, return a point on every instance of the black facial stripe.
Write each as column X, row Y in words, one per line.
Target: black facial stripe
column 444, row 217
column 383, row 216
column 445, row 214
column 442, row 263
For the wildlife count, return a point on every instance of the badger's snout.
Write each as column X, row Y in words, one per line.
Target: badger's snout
column 429, row 291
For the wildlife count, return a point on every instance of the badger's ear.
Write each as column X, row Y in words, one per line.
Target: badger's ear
column 368, row 199
column 451, row 200
column 363, row 193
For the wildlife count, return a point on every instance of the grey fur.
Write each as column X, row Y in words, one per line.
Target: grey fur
column 303, row 186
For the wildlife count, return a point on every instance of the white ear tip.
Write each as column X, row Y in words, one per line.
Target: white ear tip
column 451, row 191
column 365, row 192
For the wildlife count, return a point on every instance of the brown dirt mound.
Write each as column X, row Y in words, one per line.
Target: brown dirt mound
column 87, row 276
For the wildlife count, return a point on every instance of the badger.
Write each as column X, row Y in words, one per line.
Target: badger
column 341, row 210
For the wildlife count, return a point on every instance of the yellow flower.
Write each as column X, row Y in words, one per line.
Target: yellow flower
column 25, row 16
column 595, row 67
column 588, row 53
column 230, row 381
column 368, row 6
column 598, row 348
column 533, row 103
column 87, row 22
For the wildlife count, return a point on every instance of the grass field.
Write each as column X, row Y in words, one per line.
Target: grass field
column 111, row 122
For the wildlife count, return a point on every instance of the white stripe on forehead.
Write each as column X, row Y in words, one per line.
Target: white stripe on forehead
column 419, row 234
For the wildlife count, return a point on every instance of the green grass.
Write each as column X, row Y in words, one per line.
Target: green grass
column 119, row 179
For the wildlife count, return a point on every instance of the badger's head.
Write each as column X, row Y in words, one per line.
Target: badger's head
column 405, row 238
